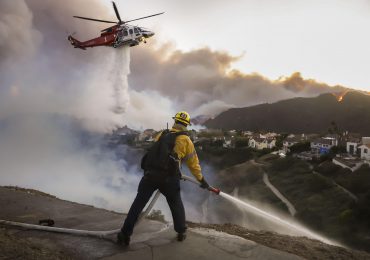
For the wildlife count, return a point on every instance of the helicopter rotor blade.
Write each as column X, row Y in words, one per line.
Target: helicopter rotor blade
column 106, row 29
column 92, row 19
column 117, row 13
column 143, row 17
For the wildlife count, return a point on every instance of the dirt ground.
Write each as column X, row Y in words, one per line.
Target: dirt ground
column 14, row 247
column 301, row 246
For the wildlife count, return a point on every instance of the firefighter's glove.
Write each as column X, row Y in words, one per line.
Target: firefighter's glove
column 204, row 184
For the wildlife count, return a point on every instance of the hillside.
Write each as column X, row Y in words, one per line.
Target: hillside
column 300, row 115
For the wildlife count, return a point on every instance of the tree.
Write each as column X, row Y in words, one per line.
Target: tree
column 241, row 142
column 300, row 147
column 280, row 139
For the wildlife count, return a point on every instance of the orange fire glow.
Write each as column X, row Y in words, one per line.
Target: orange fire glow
column 340, row 96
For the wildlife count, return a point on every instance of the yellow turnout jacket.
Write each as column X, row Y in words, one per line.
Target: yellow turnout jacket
column 184, row 148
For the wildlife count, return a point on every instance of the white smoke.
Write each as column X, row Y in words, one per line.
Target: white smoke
column 56, row 104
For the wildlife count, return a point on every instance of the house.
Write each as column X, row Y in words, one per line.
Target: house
column 247, row 133
column 365, row 151
column 227, row 142
column 261, row 143
column 271, row 135
column 351, row 163
column 365, row 140
column 124, row 131
column 321, row 146
column 352, row 145
column 146, row 135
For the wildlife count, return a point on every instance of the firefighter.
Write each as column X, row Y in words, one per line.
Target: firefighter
column 161, row 165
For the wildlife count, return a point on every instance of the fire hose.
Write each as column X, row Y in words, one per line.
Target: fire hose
column 99, row 234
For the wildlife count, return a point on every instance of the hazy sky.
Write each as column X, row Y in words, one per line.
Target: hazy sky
column 325, row 40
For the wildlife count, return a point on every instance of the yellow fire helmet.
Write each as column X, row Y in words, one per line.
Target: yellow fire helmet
column 183, row 117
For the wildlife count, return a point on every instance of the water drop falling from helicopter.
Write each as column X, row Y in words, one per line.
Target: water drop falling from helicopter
column 119, row 74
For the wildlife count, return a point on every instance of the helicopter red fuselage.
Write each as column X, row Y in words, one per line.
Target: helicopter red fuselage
column 115, row 36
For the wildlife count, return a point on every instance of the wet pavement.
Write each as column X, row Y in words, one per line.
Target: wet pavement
column 151, row 239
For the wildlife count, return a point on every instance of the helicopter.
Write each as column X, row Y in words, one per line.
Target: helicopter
column 120, row 34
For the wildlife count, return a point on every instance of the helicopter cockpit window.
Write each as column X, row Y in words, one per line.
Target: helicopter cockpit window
column 136, row 30
column 125, row 33
column 130, row 31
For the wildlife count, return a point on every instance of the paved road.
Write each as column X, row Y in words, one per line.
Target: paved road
column 147, row 241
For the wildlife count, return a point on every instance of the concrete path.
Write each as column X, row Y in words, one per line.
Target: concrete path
column 151, row 239
column 201, row 244
column 274, row 190
column 277, row 193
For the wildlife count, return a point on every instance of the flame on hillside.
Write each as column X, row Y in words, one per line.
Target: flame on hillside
column 339, row 96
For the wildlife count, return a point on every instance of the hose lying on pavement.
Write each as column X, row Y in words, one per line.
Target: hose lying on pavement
column 99, row 234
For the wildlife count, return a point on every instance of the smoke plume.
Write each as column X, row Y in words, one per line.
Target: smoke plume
column 203, row 81
column 56, row 102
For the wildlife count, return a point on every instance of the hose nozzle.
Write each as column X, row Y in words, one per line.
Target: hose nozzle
column 215, row 190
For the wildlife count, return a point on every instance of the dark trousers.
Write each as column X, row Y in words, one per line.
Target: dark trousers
column 170, row 188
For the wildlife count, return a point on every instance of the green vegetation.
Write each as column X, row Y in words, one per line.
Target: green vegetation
column 320, row 203
column 280, row 139
column 241, row 142
column 300, row 147
column 225, row 157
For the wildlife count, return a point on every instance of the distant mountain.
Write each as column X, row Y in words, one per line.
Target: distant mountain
column 200, row 120
column 300, row 115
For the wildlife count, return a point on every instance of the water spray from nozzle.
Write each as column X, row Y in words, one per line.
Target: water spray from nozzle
column 263, row 213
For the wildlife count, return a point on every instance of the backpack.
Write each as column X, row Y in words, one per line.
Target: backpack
column 160, row 160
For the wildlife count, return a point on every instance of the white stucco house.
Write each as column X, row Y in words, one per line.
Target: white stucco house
column 365, row 151
column 261, row 143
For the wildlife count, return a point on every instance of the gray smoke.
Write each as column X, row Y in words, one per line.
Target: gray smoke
column 54, row 99
column 203, row 82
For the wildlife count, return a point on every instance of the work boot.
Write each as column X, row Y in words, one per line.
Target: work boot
column 123, row 239
column 181, row 236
